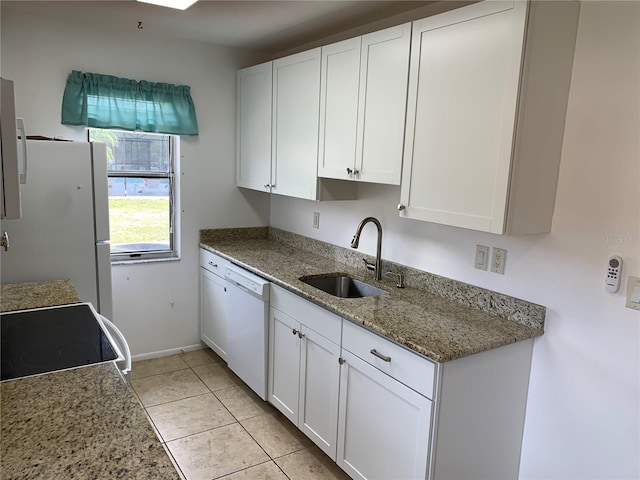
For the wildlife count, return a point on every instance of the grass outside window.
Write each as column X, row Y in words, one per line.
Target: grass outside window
column 139, row 220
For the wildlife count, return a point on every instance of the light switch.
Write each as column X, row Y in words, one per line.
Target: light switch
column 482, row 257
column 633, row 293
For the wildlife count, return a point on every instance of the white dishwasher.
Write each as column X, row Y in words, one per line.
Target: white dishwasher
column 247, row 327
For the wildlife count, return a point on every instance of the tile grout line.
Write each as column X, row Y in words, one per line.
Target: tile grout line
column 235, row 420
column 212, row 392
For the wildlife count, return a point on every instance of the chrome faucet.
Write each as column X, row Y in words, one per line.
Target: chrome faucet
column 377, row 268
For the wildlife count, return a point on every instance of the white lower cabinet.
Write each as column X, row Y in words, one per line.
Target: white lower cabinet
column 383, row 412
column 303, row 366
column 383, row 430
column 284, row 364
column 213, row 303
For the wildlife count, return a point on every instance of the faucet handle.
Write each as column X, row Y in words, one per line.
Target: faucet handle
column 370, row 266
column 399, row 278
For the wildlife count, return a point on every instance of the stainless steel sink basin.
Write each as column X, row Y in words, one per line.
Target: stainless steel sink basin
column 342, row 286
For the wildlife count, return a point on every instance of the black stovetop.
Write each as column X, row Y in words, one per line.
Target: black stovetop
column 50, row 339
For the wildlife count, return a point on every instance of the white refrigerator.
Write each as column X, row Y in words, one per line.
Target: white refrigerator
column 64, row 229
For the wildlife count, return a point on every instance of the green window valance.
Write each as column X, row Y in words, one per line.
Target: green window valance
column 104, row 101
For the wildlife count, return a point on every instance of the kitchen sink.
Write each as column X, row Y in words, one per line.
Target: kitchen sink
column 340, row 285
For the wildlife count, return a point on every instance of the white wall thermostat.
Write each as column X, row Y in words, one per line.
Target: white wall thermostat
column 614, row 268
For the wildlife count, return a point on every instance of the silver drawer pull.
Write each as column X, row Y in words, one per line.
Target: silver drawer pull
column 375, row 353
column 213, row 264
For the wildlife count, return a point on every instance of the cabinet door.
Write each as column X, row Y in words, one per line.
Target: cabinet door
column 339, row 109
column 319, row 381
column 284, row 364
column 463, row 93
column 213, row 312
column 253, row 162
column 296, row 106
column 384, row 426
column 384, row 69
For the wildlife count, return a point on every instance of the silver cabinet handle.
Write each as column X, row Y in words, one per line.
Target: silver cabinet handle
column 4, row 241
column 297, row 332
column 401, row 207
column 375, row 353
column 267, row 185
column 213, row 264
column 356, row 171
column 349, row 171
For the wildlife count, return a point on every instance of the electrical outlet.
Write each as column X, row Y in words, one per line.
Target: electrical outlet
column 316, row 219
column 482, row 257
column 498, row 260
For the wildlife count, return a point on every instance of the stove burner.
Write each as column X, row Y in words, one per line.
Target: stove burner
column 50, row 339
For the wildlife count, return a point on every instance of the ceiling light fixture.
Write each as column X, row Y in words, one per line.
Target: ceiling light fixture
column 177, row 4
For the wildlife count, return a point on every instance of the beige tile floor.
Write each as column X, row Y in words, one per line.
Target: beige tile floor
column 213, row 426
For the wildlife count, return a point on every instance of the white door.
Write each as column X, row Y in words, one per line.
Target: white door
column 213, row 312
column 463, row 93
column 339, row 109
column 384, row 70
column 383, row 430
column 284, row 364
column 296, row 107
column 253, row 155
column 319, row 381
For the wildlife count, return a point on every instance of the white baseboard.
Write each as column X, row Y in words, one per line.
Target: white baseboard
column 166, row 353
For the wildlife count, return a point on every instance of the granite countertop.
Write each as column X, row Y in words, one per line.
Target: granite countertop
column 22, row 296
column 472, row 320
column 81, row 423
column 78, row 424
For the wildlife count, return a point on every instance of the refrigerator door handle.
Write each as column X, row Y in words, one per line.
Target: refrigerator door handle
column 23, row 141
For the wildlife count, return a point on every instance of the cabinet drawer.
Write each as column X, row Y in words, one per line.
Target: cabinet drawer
column 309, row 314
column 212, row 262
column 414, row 371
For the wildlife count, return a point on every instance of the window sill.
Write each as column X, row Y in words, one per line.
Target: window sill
column 129, row 261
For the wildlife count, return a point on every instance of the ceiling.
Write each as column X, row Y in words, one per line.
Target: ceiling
column 270, row 26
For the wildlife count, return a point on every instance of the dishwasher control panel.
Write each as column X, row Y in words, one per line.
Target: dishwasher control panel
column 247, row 280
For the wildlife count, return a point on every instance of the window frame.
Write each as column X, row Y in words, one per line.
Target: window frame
column 173, row 252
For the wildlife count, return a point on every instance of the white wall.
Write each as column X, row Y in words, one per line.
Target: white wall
column 583, row 414
column 156, row 305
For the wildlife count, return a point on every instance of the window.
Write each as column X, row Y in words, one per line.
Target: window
column 142, row 193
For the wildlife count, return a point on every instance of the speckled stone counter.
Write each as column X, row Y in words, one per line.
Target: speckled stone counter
column 436, row 317
column 82, row 423
column 21, row 296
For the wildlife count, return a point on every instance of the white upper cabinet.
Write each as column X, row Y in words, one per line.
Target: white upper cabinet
column 363, row 92
column 339, row 108
column 296, row 103
column 485, row 115
column 253, row 149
